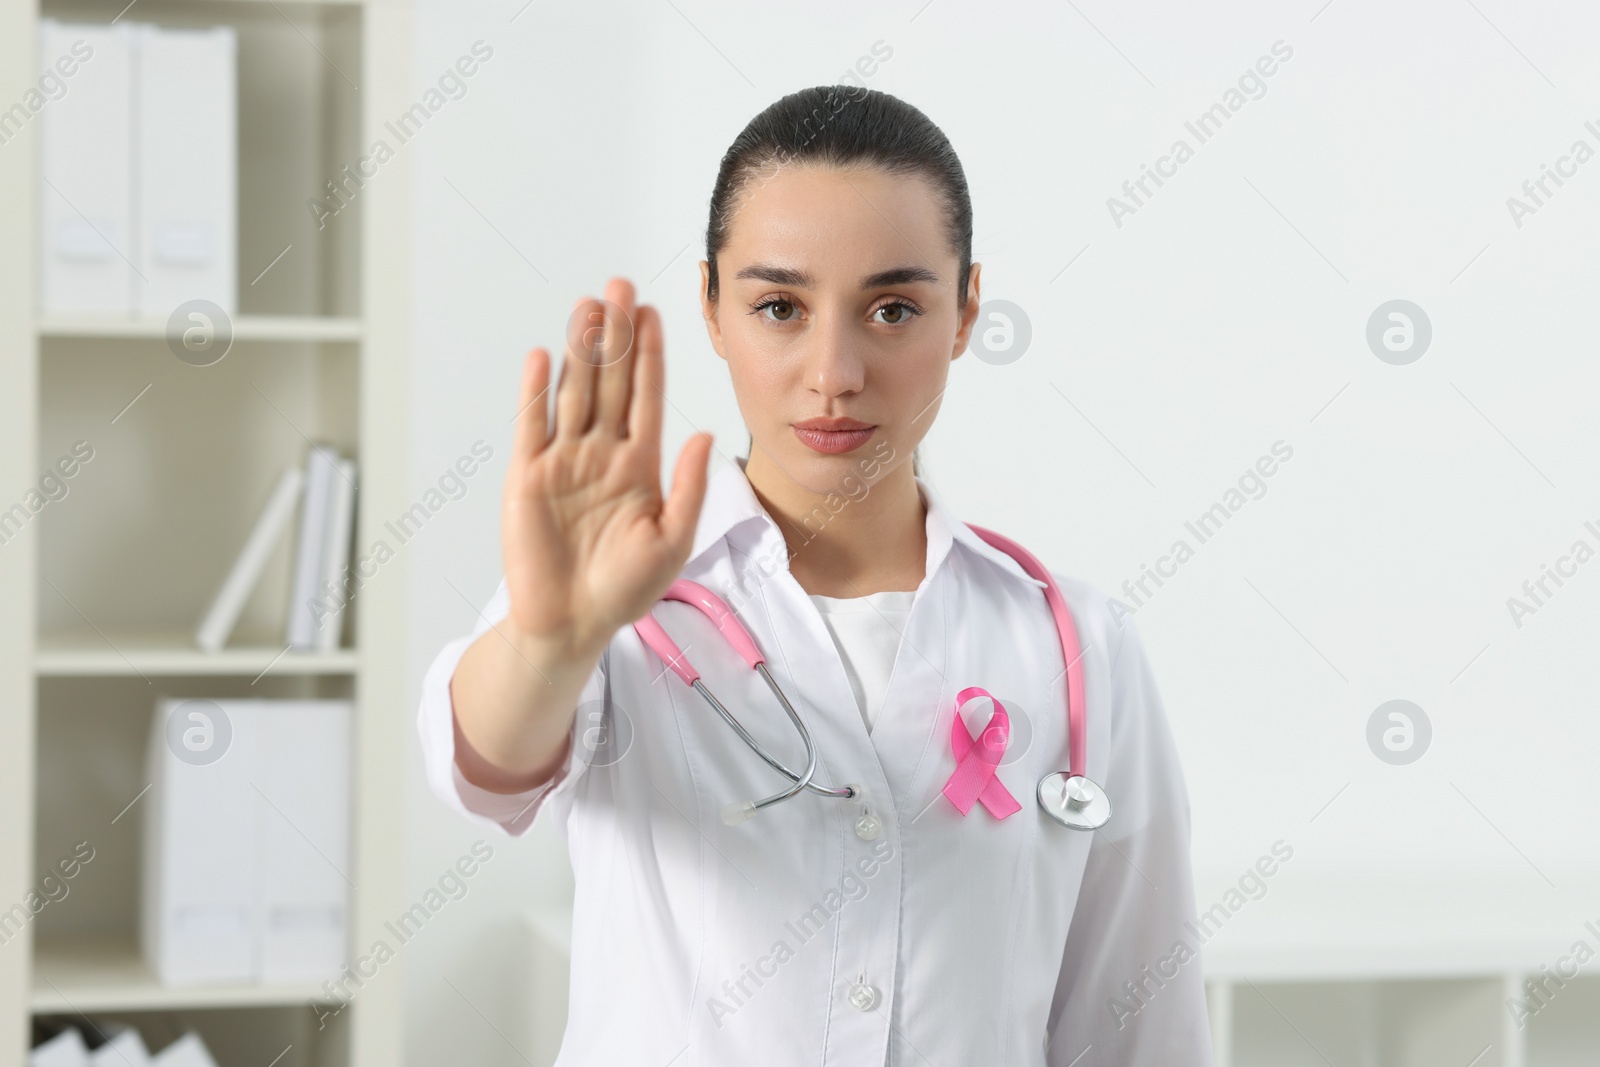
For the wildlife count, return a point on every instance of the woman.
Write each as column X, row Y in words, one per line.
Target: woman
column 889, row 927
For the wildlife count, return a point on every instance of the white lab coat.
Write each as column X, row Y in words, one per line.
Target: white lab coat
column 790, row 940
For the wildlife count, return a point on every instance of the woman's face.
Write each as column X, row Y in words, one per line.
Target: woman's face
column 838, row 302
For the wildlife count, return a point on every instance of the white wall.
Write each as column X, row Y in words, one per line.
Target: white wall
column 1228, row 313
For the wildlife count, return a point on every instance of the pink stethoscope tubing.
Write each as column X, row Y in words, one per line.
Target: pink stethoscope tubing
column 1075, row 784
column 726, row 622
column 1077, row 726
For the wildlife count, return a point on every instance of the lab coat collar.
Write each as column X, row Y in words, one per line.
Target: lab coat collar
column 730, row 503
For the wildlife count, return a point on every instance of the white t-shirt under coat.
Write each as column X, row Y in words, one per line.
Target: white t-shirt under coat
column 866, row 630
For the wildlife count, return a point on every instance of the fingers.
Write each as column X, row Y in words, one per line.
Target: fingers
column 681, row 513
column 533, row 417
column 616, row 360
column 575, row 390
column 649, row 380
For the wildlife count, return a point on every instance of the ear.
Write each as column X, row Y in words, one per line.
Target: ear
column 969, row 317
column 708, row 310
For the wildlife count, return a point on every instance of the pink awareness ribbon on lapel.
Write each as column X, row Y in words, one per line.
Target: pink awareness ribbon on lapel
column 977, row 760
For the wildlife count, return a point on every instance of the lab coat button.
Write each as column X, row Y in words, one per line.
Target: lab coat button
column 868, row 827
column 863, row 996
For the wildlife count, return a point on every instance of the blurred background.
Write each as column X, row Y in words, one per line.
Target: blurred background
column 1282, row 344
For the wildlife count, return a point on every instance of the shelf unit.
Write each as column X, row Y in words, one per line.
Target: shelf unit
column 100, row 590
column 1406, row 972
column 82, row 653
column 1400, row 1020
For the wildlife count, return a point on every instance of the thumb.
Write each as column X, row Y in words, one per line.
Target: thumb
column 681, row 513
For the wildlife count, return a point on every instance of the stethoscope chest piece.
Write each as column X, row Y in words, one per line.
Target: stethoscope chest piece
column 1074, row 801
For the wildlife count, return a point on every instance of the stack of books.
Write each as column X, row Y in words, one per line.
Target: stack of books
column 324, row 492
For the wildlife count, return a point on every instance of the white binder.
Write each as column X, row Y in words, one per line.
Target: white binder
column 303, row 773
column 186, row 176
column 246, row 857
column 86, row 231
column 197, row 915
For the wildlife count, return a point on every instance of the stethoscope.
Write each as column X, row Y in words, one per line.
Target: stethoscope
column 1069, row 797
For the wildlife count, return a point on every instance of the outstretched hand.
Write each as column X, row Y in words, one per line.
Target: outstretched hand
column 589, row 544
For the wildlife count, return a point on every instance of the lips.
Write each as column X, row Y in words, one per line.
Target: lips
column 833, row 436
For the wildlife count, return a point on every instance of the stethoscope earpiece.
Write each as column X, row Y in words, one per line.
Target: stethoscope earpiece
column 737, row 812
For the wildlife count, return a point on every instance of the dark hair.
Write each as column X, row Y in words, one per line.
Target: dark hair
column 841, row 126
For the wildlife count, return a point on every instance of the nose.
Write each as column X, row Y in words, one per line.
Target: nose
column 833, row 361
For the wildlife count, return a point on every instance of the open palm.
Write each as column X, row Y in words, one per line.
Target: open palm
column 589, row 543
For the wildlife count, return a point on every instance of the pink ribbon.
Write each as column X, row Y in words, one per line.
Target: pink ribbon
column 977, row 759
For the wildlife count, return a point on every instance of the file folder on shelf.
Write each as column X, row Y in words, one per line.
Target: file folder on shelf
column 197, row 922
column 186, row 176
column 246, row 846
column 303, row 773
column 86, row 155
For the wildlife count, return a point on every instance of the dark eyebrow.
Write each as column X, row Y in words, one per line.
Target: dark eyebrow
column 799, row 279
column 899, row 276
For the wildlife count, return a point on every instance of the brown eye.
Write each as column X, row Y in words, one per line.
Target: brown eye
column 898, row 313
column 786, row 309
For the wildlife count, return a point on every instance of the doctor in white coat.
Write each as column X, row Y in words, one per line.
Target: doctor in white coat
column 889, row 928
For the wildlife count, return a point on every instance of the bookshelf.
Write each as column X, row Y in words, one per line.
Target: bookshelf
column 101, row 590
column 82, row 653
